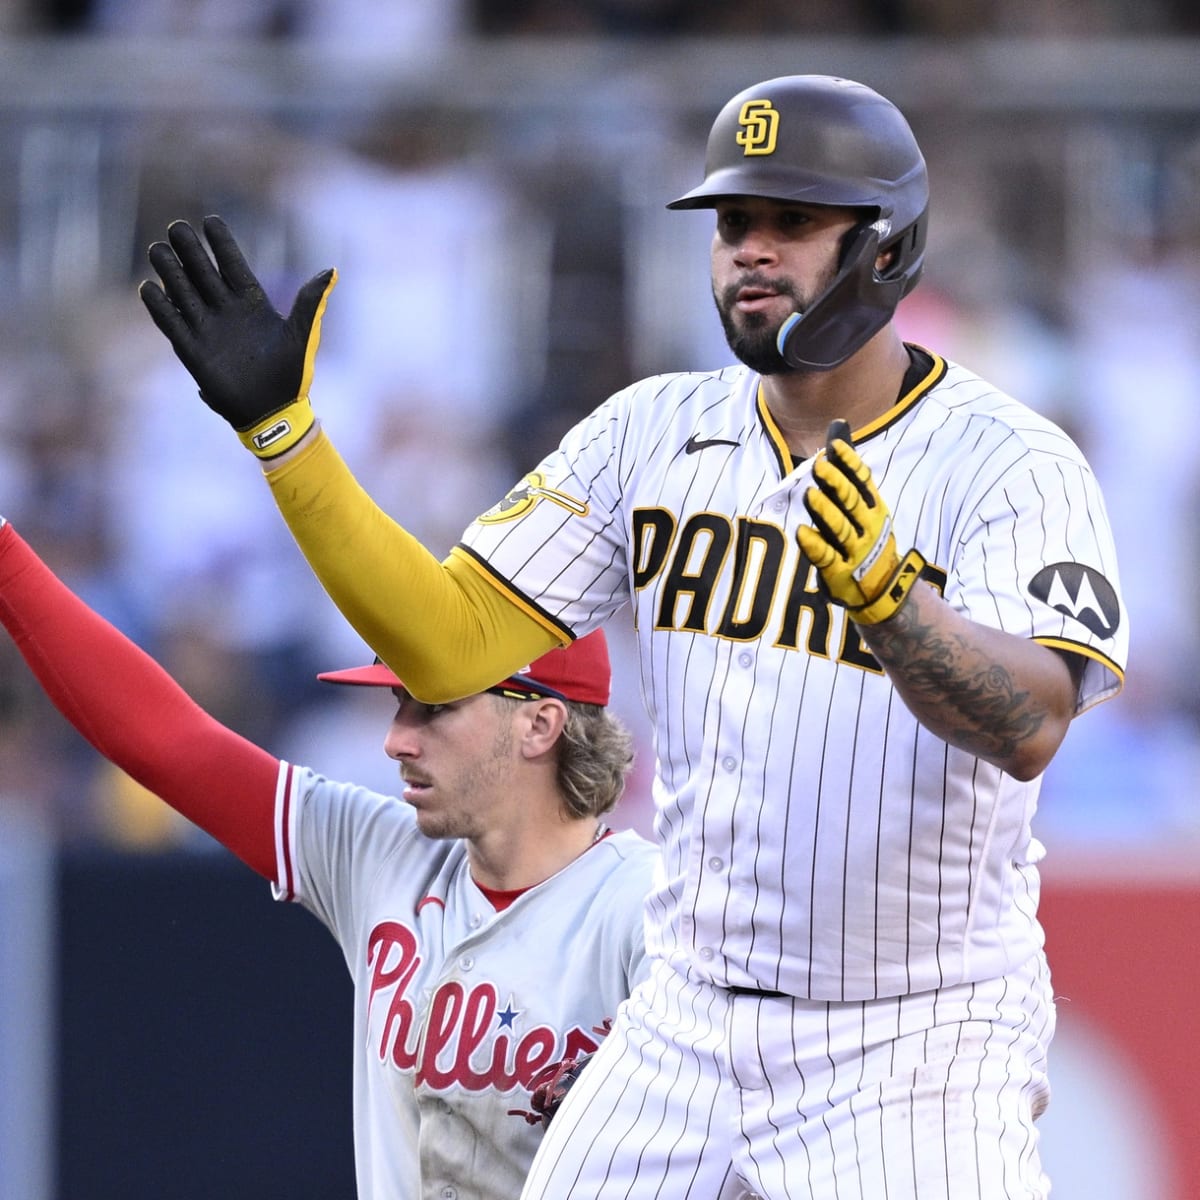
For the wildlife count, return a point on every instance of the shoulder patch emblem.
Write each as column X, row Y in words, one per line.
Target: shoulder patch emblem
column 525, row 496
column 1079, row 592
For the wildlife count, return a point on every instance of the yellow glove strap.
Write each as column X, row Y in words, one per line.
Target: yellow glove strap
column 894, row 593
column 281, row 430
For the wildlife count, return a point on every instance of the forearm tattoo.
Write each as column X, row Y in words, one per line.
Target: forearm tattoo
column 976, row 703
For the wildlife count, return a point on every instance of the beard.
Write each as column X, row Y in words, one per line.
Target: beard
column 754, row 343
column 752, row 336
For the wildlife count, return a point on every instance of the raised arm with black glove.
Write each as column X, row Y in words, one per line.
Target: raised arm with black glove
column 445, row 627
column 253, row 365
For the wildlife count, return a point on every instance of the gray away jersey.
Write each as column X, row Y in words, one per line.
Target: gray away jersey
column 456, row 1006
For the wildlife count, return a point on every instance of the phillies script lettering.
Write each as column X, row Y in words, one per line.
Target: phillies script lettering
column 465, row 1040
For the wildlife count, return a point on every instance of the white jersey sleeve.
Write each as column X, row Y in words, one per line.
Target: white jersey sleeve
column 1021, row 529
column 456, row 1006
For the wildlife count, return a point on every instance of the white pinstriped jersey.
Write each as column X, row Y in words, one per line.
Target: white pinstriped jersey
column 818, row 841
column 456, row 1006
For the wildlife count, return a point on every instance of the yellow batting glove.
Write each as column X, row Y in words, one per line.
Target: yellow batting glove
column 850, row 541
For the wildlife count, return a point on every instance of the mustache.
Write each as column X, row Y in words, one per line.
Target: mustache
column 757, row 279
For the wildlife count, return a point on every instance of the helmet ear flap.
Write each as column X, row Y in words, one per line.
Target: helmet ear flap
column 903, row 252
column 849, row 247
column 851, row 310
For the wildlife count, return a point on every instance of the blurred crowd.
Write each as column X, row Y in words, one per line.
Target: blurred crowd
column 601, row 18
column 500, row 274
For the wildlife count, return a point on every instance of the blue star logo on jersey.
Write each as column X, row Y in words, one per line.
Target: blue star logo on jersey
column 507, row 1015
column 1079, row 592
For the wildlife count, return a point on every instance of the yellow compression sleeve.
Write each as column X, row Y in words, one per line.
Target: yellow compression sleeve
column 445, row 627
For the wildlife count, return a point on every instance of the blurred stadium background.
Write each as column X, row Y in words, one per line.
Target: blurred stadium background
column 489, row 177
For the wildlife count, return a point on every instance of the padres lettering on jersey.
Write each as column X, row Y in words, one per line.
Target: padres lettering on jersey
column 764, row 563
column 693, row 505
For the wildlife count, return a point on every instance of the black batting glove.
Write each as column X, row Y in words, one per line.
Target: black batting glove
column 253, row 366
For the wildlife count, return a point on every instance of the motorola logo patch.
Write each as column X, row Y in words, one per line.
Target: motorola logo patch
column 1081, row 593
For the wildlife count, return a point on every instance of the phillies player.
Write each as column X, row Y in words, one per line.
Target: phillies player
column 491, row 923
column 871, row 591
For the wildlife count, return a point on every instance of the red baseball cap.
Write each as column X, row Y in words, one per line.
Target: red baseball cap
column 580, row 671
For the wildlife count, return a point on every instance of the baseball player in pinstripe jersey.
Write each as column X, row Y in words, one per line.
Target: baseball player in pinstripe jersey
column 870, row 591
column 491, row 922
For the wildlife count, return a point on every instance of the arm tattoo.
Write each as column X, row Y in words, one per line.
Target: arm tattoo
column 977, row 701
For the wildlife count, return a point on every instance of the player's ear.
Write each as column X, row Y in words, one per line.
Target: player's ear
column 884, row 260
column 541, row 723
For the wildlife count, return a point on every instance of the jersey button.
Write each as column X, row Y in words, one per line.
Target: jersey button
column 448, row 1193
column 466, row 962
column 716, row 864
column 476, row 921
column 745, row 660
column 706, row 953
column 729, row 763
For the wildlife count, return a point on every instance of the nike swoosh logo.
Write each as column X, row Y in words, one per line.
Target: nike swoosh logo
column 694, row 443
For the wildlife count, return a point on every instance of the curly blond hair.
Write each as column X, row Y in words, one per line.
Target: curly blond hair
column 595, row 756
column 594, row 760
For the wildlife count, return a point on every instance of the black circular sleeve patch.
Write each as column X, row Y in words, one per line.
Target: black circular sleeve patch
column 1079, row 592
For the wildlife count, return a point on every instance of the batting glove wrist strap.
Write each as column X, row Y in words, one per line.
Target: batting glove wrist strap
column 895, row 591
column 280, row 431
column 253, row 365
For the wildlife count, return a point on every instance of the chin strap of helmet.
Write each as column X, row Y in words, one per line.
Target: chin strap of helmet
column 855, row 307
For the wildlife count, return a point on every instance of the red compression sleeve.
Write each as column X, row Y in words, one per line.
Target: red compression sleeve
column 134, row 713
